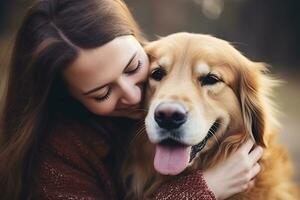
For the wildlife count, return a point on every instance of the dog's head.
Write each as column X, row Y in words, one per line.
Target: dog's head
column 200, row 88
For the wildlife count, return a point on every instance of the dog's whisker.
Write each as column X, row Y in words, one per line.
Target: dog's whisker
column 139, row 132
column 219, row 122
column 140, row 122
column 214, row 129
column 215, row 137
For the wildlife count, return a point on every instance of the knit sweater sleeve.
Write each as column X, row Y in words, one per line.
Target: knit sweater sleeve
column 191, row 186
column 70, row 167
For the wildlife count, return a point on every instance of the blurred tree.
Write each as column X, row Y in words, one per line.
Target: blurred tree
column 11, row 13
column 272, row 30
column 266, row 30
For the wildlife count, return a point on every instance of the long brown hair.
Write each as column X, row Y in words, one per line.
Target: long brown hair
column 48, row 40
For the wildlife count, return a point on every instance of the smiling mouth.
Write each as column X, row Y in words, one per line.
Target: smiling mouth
column 172, row 156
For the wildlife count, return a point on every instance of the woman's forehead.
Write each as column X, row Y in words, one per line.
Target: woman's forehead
column 99, row 65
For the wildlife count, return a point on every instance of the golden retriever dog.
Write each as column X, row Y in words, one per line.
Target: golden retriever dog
column 204, row 99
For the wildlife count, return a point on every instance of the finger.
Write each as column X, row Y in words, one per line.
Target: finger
column 247, row 146
column 241, row 187
column 256, row 154
column 255, row 170
column 250, row 185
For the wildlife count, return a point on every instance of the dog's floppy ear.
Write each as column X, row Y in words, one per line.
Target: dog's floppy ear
column 251, row 100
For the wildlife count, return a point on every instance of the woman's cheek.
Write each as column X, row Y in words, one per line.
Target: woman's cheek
column 100, row 108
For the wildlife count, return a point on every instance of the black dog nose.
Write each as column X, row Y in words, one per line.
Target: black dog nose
column 170, row 115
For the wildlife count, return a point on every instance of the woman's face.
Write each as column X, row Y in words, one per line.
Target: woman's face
column 108, row 80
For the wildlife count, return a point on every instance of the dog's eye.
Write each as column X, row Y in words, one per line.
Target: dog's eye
column 210, row 79
column 158, row 73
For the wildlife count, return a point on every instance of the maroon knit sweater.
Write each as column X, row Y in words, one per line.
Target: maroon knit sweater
column 74, row 164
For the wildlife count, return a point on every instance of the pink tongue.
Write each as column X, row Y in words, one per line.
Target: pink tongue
column 171, row 160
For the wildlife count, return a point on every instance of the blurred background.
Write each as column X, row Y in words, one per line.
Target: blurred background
column 267, row 31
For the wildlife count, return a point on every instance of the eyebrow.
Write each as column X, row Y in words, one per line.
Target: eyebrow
column 103, row 86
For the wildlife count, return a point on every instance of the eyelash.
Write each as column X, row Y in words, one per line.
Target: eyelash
column 107, row 95
column 135, row 69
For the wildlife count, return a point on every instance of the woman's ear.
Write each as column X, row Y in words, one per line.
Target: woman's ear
column 251, row 101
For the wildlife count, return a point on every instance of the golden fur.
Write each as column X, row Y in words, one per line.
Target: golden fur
column 241, row 101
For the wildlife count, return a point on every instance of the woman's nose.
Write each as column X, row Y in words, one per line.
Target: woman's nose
column 131, row 93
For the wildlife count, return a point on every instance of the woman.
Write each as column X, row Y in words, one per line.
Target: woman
column 74, row 92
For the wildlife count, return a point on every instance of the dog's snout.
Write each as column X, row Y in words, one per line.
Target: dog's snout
column 170, row 115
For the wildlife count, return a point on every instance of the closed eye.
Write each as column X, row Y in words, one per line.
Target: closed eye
column 137, row 67
column 104, row 97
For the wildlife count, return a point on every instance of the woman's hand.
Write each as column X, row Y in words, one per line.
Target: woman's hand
column 236, row 173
